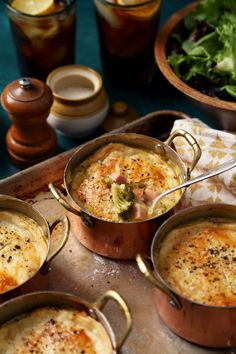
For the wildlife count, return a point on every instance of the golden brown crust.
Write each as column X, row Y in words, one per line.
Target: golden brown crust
column 198, row 260
column 53, row 330
column 7, row 282
column 23, row 248
column 138, row 166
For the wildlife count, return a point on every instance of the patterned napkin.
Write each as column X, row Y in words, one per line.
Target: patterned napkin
column 217, row 147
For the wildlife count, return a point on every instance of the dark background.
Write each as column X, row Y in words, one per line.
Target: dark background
column 159, row 95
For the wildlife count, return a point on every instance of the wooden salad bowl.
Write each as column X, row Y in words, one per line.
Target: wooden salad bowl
column 223, row 112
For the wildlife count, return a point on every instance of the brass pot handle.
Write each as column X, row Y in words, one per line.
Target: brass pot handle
column 144, row 267
column 197, row 152
column 113, row 295
column 54, row 250
column 87, row 220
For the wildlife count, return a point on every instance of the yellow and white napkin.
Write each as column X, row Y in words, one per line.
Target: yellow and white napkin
column 217, row 147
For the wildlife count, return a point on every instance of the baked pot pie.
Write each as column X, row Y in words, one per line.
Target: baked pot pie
column 119, row 182
column 198, row 260
column 54, row 330
column 23, row 248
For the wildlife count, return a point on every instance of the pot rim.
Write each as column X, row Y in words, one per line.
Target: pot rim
column 71, row 300
column 106, row 139
column 45, row 224
column 67, row 70
column 157, row 239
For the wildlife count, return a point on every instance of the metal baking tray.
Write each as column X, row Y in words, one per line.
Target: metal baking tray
column 78, row 271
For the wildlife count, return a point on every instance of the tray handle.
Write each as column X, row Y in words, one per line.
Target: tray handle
column 197, row 152
column 60, row 198
column 54, row 250
column 113, row 295
column 145, row 264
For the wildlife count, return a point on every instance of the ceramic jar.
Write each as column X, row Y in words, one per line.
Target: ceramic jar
column 80, row 101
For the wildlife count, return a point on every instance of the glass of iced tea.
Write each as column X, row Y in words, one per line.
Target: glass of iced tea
column 43, row 33
column 127, row 30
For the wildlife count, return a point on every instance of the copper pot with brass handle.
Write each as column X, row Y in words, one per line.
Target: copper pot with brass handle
column 195, row 319
column 26, row 304
column 121, row 240
column 30, row 247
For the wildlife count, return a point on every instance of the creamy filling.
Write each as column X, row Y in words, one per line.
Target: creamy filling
column 23, row 248
column 118, row 174
column 198, row 260
column 50, row 330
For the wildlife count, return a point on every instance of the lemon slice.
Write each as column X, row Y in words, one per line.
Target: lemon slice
column 34, row 7
column 143, row 9
column 129, row 2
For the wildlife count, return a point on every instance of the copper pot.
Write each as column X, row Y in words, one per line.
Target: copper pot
column 53, row 248
column 29, row 302
column 211, row 326
column 121, row 240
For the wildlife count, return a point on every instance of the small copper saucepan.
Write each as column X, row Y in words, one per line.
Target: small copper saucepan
column 198, row 322
column 27, row 303
column 121, row 240
column 19, row 220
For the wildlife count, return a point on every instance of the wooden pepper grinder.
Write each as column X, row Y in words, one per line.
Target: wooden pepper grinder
column 30, row 139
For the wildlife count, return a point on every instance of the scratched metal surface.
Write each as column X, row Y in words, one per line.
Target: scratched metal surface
column 78, row 271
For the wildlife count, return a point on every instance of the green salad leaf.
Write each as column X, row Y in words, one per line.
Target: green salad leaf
column 208, row 46
column 231, row 89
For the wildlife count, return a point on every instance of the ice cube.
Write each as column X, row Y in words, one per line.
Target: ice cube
column 108, row 14
column 144, row 11
column 40, row 29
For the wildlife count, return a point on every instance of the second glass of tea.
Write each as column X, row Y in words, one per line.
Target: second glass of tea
column 127, row 31
column 44, row 38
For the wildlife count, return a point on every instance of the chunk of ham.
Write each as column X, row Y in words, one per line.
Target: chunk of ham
column 150, row 194
column 138, row 193
column 146, row 195
column 139, row 211
column 119, row 179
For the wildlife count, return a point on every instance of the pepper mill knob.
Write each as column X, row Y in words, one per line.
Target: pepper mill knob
column 30, row 139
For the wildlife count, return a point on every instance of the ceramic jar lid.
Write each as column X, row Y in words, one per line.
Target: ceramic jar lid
column 119, row 115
